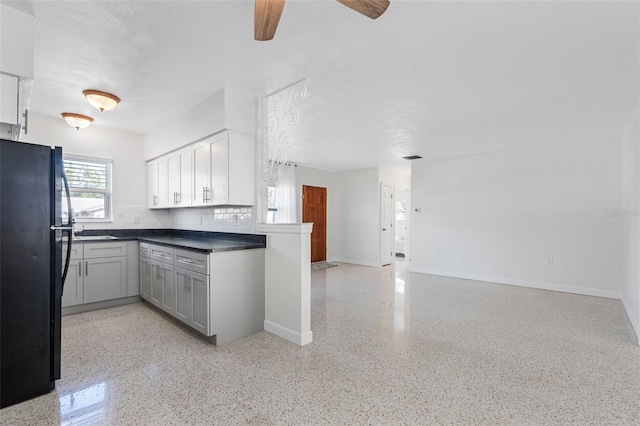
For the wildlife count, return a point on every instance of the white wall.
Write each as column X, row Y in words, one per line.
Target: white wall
column 399, row 180
column 630, row 215
column 225, row 109
column 323, row 179
column 502, row 216
column 129, row 169
column 357, row 217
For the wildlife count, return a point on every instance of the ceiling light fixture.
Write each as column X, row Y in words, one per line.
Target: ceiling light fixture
column 101, row 100
column 78, row 121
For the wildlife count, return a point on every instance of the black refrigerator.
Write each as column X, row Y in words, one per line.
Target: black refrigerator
column 31, row 271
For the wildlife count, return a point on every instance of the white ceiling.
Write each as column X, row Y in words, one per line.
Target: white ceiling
column 431, row 78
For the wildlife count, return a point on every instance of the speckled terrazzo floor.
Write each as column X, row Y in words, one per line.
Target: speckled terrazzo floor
column 389, row 348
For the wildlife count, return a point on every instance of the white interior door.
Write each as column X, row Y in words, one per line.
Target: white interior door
column 386, row 222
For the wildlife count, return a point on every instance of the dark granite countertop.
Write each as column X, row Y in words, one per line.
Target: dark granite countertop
column 207, row 242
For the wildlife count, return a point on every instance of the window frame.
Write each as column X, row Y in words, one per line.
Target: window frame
column 108, row 192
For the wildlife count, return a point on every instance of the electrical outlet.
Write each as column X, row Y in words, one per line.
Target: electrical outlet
column 136, row 218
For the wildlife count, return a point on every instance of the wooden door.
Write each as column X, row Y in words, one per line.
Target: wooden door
column 314, row 209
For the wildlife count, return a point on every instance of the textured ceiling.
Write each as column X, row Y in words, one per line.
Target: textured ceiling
column 431, row 78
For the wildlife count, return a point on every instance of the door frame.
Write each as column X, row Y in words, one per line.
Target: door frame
column 392, row 223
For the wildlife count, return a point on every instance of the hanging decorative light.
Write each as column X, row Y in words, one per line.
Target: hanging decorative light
column 101, row 100
column 78, row 121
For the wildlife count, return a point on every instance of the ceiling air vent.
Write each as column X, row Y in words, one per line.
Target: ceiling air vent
column 412, row 157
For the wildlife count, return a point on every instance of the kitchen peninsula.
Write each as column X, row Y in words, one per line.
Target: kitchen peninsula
column 212, row 282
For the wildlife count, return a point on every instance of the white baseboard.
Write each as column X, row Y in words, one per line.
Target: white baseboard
column 358, row 262
column 299, row 339
column 523, row 283
column 632, row 318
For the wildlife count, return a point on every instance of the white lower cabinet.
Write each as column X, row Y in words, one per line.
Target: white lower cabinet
column 73, row 293
column 105, row 279
column 229, row 305
column 97, row 272
column 156, row 277
column 192, row 293
column 145, row 278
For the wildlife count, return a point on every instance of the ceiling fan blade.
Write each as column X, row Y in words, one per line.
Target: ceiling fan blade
column 370, row 8
column 266, row 17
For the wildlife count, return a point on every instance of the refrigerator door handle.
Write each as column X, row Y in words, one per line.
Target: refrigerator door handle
column 68, row 228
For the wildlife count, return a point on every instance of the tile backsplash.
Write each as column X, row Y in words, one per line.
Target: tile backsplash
column 125, row 216
column 216, row 219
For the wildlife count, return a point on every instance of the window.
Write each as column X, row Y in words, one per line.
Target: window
column 271, row 204
column 90, row 188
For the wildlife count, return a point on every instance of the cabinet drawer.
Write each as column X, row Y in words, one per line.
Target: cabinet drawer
column 76, row 250
column 193, row 261
column 161, row 253
column 144, row 250
column 95, row 250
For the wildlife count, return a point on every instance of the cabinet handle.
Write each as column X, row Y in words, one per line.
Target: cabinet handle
column 190, row 283
column 186, row 260
column 80, row 269
column 86, row 268
column 25, row 114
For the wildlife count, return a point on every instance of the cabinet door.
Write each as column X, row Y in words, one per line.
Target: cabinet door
column 220, row 170
column 168, row 287
column 8, row 99
column 200, row 302
column 201, row 173
column 145, row 278
column 163, row 188
column 152, row 184
column 185, row 199
column 105, row 279
column 183, row 295
column 156, row 283
column 73, row 292
column 242, row 154
column 173, row 179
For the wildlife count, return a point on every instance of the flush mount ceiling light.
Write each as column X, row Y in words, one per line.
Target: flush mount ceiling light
column 78, row 121
column 101, row 100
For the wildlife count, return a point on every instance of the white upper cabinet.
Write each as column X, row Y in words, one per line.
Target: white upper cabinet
column 185, row 188
column 217, row 171
column 201, row 172
column 9, row 99
column 17, row 41
column 179, row 178
column 241, row 171
column 220, row 170
column 157, row 184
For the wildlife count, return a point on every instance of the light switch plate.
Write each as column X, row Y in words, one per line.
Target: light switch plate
column 136, row 218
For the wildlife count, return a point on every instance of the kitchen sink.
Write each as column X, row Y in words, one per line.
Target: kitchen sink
column 94, row 237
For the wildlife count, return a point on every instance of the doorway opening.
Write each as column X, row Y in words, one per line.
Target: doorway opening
column 386, row 221
column 402, row 208
column 314, row 209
